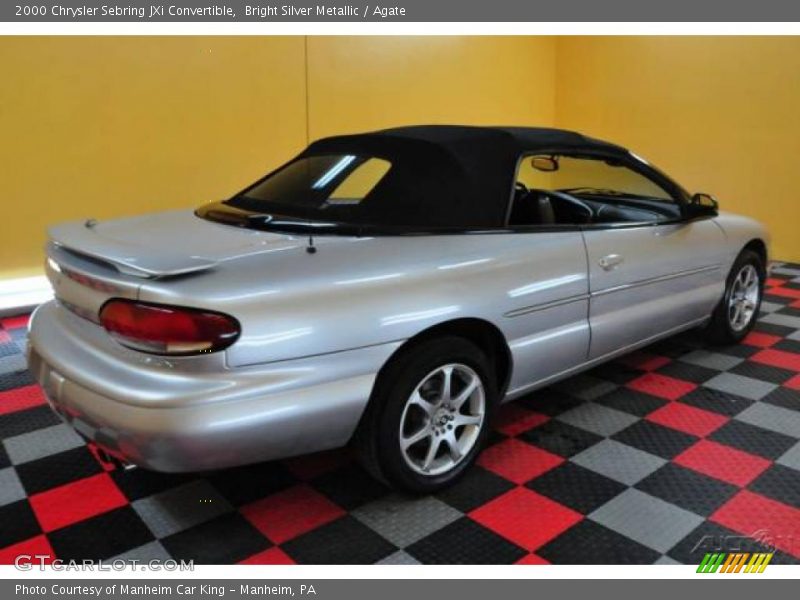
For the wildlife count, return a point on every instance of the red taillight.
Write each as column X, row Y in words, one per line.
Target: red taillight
column 161, row 329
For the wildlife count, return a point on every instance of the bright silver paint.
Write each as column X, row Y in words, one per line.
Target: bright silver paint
column 317, row 328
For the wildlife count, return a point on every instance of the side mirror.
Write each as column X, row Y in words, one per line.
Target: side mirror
column 702, row 205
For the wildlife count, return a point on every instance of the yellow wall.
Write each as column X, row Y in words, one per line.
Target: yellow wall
column 363, row 83
column 105, row 127
column 720, row 114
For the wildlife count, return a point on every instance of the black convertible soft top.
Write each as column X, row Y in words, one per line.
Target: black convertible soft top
column 441, row 177
column 452, row 175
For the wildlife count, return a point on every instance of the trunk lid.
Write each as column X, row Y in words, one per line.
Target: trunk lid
column 90, row 262
column 164, row 244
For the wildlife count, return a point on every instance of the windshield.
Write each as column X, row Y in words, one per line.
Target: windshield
column 589, row 176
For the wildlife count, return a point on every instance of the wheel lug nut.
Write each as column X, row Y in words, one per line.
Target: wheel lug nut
column 449, row 426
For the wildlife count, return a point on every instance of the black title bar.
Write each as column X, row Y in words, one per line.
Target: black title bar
column 404, row 10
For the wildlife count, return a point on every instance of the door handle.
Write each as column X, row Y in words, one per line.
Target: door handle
column 610, row 261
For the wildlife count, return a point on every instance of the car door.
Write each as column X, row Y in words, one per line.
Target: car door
column 649, row 280
column 651, row 271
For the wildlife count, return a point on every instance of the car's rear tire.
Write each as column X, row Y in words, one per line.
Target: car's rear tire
column 419, row 432
column 736, row 314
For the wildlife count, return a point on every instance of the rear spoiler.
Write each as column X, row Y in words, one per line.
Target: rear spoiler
column 81, row 239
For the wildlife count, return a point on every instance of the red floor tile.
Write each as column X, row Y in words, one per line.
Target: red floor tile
column 762, row 340
column 512, row 419
column 289, row 513
column 532, row 559
column 520, row 515
column 21, row 398
column 785, row 292
column 793, row 383
column 517, row 461
column 525, row 517
column 778, row 358
column 722, row 462
column 15, row 322
column 750, row 513
column 687, row 418
column 37, row 546
column 662, row 386
column 76, row 501
column 101, row 460
column 273, row 556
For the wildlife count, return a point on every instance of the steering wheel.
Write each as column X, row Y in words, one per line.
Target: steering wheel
column 579, row 204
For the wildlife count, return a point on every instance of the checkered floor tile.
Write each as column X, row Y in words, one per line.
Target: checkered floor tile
column 655, row 458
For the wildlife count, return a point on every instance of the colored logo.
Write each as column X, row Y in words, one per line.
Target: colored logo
column 744, row 562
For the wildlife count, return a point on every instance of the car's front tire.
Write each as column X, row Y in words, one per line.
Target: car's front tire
column 737, row 312
column 429, row 415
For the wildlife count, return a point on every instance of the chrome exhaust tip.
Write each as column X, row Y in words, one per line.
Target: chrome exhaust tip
column 113, row 460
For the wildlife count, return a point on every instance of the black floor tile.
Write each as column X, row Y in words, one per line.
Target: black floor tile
column 589, row 543
column 655, row 439
column 9, row 381
column 687, row 372
column 775, row 299
column 101, row 537
column 343, row 541
column 688, row 489
column 476, row 488
column 752, row 439
column 762, row 372
column 779, row 483
column 773, row 329
column 789, row 345
column 349, row 487
column 25, row 421
column 243, row 485
column 17, row 523
column 738, row 350
column 578, row 488
column 140, row 483
column 464, row 542
column 784, row 397
column 550, row 402
column 616, row 372
column 560, row 438
column 631, row 401
column 224, row 540
column 4, row 460
column 57, row 469
column 715, row 401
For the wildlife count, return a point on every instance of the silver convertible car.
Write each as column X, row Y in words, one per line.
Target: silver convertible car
column 387, row 289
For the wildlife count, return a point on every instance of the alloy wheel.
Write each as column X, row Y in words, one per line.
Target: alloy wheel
column 744, row 296
column 442, row 419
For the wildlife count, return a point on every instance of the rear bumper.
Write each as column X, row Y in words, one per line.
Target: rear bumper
column 175, row 416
